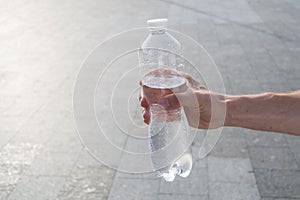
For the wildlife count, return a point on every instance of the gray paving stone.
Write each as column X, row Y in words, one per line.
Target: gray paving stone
column 24, row 105
column 5, row 137
column 15, row 159
column 226, row 34
column 199, row 162
column 181, row 197
column 227, row 190
column 230, row 147
column 269, row 198
column 294, row 144
column 12, row 123
column 88, row 182
column 261, row 61
column 19, row 153
column 7, row 101
column 278, row 87
column 208, row 34
column 64, row 142
column 151, row 175
column 234, row 170
column 11, row 173
column 124, row 188
column 86, row 160
column 233, row 63
column 38, row 129
column 195, row 184
column 272, row 158
column 53, row 164
column 266, row 139
column 4, row 193
column 278, row 183
column 39, row 188
column 233, row 132
column 34, row 134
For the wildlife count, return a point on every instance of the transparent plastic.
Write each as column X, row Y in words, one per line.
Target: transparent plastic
column 168, row 130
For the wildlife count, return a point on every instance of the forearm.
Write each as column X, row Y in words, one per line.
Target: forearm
column 276, row 112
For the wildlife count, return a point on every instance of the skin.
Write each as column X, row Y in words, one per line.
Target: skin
column 275, row 112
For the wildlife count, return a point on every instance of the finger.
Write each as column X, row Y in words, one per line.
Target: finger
column 144, row 103
column 146, row 121
column 142, row 100
column 146, row 114
column 193, row 82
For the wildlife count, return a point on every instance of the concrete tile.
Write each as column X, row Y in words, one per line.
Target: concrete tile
column 233, row 132
column 5, row 137
column 53, row 164
column 181, row 197
column 265, row 139
column 85, row 159
column 199, row 162
column 236, row 170
column 35, row 134
column 25, row 105
column 87, row 183
column 195, row 184
column 124, row 188
column 11, row 173
column 151, row 175
column 7, row 101
column 270, row 198
column 38, row 129
column 226, row 190
column 12, row 123
column 272, row 158
column 39, row 188
column 294, row 144
column 19, row 153
column 14, row 161
column 64, row 142
column 278, row 183
column 5, row 191
column 230, row 147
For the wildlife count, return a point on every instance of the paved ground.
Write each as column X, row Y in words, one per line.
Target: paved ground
column 255, row 43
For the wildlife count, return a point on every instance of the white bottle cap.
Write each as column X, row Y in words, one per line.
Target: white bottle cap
column 157, row 23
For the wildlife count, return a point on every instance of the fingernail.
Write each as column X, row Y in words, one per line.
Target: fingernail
column 164, row 102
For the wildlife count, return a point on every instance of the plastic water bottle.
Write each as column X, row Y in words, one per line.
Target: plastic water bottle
column 169, row 138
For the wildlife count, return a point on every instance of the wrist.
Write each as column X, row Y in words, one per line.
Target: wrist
column 246, row 110
column 230, row 102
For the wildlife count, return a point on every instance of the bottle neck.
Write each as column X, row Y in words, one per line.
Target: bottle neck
column 157, row 30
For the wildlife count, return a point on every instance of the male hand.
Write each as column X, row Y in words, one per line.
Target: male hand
column 197, row 102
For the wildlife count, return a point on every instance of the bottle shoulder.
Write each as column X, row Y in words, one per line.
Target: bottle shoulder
column 162, row 41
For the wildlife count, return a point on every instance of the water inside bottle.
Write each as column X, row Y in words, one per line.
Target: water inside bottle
column 168, row 129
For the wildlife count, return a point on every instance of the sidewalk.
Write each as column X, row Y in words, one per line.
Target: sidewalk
column 256, row 45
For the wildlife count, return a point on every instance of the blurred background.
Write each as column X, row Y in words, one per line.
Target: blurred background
column 255, row 43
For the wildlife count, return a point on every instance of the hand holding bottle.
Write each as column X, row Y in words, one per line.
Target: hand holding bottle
column 196, row 101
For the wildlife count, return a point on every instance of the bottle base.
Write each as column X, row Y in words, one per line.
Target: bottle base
column 170, row 175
